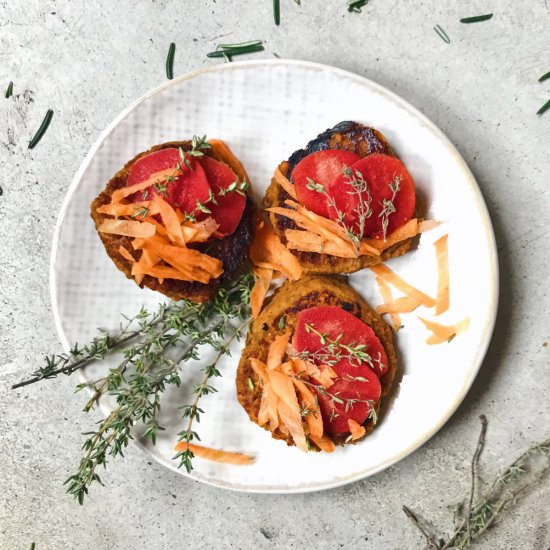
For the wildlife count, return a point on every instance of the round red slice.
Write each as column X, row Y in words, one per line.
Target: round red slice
column 323, row 168
column 379, row 172
column 357, row 382
column 230, row 207
column 183, row 192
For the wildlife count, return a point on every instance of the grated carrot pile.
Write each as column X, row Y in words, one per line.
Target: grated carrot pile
column 163, row 244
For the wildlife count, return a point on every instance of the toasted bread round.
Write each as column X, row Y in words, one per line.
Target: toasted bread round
column 286, row 303
column 347, row 136
column 232, row 250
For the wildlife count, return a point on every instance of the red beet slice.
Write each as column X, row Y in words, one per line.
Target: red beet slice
column 183, row 192
column 379, row 171
column 229, row 210
column 356, row 380
column 322, row 167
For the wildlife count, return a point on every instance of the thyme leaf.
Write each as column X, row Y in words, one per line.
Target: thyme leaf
column 442, row 34
column 170, row 61
column 227, row 51
column 9, row 90
column 356, row 5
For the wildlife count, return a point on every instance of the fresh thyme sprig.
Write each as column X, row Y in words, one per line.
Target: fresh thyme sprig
column 334, row 350
column 388, row 206
column 227, row 51
column 165, row 340
column 363, row 211
column 192, row 412
column 473, row 518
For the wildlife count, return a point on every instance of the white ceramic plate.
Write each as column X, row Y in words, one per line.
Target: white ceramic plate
column 265, row 110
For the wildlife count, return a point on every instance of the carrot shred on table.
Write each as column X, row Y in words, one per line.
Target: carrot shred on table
column 391, row 277
column 357, row 431
column 127, row 228
column 268, row 251
column 284, row 182
column 399, row 305
column 260, row 289
column 215, row 455
column 227, row 156
column 324, row 443
column 124, row 192
column 277, row 350
column 124, row 252
column 444, row 333
column 387, row 296
column 442, row 256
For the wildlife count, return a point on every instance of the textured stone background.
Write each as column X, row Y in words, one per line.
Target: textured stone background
column 89, row 60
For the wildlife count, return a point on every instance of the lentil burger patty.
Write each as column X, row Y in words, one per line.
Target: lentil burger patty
column 231, row 250
column 346, row 136
column 287, row 302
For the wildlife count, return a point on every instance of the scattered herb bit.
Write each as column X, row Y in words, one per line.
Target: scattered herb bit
column 42, row 130
column 299, row 2
column 442, row 34
column 356, row 5
column 1, row 191
column 544, row 108
column 388, row 206
column 9, row 90
column 227, row 51
column 282, row 322
column 250, row 384
column 141, row 212
column 277, row 11
column 170, row 61
column 541, row 79
column 473, row 518
column 476, row 18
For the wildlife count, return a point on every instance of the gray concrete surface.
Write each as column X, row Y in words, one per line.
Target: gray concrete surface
column 88, row 60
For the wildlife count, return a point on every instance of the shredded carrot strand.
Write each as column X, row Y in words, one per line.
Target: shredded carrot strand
column 387, row 296
column 126, row 254
column 215, row 455
column 284, row 182
column 442, row 256
column 124, row 192
column 260, row 289
column 221, row 148
column 357, row 431
column 391, row 277
column 399, row 305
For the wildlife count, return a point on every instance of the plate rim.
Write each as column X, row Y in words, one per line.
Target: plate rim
column 488, row 329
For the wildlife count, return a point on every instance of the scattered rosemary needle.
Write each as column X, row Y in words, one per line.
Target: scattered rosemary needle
column 544, row 77
column 356, row 5
column 477, row 18
column 442, row 34
column 170, row 61
column 277, row 12
column 544, row 108
column 9, row 90
column 42, row 130
column 227, row 51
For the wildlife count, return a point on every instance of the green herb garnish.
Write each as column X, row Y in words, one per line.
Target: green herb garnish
column 282, row 322
column 442, row 34
column 170, row 61
column 356, row 5
column 227, row 51
column 157, row 346
column 476, row 18
column 544, row 77
column 277, row 12
column 9, row 91
column 42, row 130
column 250, row 384
column 544, row 108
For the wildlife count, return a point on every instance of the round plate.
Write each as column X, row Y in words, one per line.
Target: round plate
column 265, row 110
